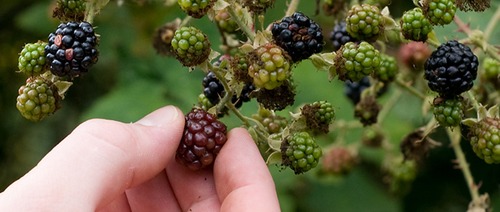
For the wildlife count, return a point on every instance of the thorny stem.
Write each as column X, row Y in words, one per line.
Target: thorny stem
column 454, row 136
column 389, row 105
column 292, row 7
column 229, row 94
column 226, row 102
column 410, row 89
column 491, row 24
column 93, row 7
column 249, row 33
column 479, row 39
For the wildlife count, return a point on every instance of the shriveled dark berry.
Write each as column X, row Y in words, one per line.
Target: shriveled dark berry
column 202, row 140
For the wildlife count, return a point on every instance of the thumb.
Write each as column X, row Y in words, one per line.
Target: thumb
column 98, row 161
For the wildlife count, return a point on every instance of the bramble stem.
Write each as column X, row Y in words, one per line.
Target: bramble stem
column 454, row 136
column 475, row 104
column 185, row 21
column 389, row 105
column 248, row 32
column 229, row 93
column 292, row 7
column 93, row 8
column 491, row 24
column 410, row 89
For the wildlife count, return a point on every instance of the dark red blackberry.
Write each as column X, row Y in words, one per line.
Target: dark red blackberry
column 71, row 49
column 339, row 36
column 451, row 69
column 353, row 90
column 298, row 35
column 214, row 91
column 202, row 140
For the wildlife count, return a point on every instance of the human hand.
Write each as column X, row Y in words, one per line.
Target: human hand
column 106, row 165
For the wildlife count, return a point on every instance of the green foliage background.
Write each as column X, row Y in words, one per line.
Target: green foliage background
column 130, row 80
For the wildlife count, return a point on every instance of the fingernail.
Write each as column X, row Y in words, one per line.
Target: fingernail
column 160, row 117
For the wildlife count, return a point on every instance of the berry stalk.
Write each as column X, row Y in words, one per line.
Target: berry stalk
column 248, row 32
column 492, row 24
column 93, row 8
column 410, row 89
column 454, row 135
column 292, row 7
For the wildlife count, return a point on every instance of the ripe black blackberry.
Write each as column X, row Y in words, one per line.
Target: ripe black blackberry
column 340, row 36
column 214, row 91
column 353, row 90
column 451, row 69
column 212, row 88
column 298, row 35
column 71, row 50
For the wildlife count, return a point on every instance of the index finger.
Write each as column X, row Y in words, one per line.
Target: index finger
column 242, row 177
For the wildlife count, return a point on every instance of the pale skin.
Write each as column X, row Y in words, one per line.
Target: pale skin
column 106, row 165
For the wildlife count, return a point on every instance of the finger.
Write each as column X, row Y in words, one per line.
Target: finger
column 242, row 177
column 153, row 195
column 100, row 159
column 194, row 190
column 118, row 204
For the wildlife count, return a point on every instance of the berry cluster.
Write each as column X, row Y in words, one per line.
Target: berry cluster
column 68, row 53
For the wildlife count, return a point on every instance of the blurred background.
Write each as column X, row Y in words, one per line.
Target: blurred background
column 130, row 80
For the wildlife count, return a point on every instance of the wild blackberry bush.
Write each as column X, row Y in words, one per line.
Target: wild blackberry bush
column 372, row 50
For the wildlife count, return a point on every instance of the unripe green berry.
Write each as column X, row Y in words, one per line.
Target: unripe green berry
column 300, row 152
column 356, row 61
column 191, row 46
column 415, row 26
column 269, row 66
column 32, row 59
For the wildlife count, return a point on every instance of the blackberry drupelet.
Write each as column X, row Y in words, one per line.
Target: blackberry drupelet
column 71, row 49
column 202, row 140
column 298, row 35
column 340, row 36
column 451, row 69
